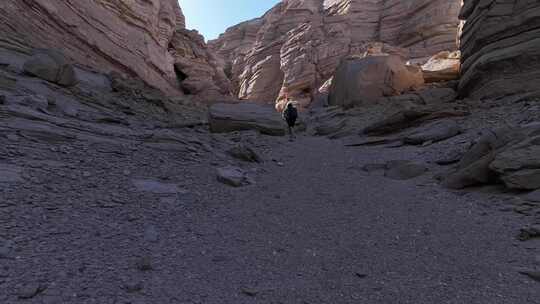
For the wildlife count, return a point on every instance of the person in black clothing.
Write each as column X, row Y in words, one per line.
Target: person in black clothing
column 290, row 115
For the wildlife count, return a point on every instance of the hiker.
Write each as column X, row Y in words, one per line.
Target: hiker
column 290, row 114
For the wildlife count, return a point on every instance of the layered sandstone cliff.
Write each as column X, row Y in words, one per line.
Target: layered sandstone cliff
column 500, row 48
column 296, row 46
column 146, row 39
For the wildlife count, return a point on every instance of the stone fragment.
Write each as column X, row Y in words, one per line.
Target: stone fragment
column 529, row 232
column 245, row 116
column 151, row 234
column 233, row 176
column 244, row 153
column 53, row 66
column 531, row 273
column 30, row 290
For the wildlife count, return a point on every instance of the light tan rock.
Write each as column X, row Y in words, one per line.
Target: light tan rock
column 442, row 67
column 364, row 81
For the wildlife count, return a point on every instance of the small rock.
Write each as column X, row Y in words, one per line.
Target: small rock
column 244, row 153
column 145, row 263
column 133, row 287
column 31, row 290
column 233, row 176
column 451, row 158
column 531, row 273
column 151, row 234
column 361, row 275
column 530, row 232
column 249, row 292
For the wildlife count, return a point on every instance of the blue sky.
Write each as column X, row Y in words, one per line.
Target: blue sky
column 213, row 17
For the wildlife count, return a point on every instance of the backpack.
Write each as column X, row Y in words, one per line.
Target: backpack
column 291, row 115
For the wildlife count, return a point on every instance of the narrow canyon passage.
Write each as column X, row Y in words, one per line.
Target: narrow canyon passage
column 314, row 228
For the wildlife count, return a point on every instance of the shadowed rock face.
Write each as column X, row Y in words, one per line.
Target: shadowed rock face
column 500, row 48
column 297, row 45
column 132, row 37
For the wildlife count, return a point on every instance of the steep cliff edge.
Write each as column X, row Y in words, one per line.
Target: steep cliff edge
column 146, row 39
column 295, row 47
column 500, row 48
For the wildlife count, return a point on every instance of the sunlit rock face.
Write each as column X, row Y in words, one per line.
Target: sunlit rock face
column 296, row 46
column 128, row 36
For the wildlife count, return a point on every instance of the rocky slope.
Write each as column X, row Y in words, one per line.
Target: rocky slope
column 296, row 46
column 146, row 39
column 501, row 48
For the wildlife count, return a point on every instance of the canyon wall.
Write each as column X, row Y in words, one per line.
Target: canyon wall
column 296, row 47
column 147, row 39
column 500, row 48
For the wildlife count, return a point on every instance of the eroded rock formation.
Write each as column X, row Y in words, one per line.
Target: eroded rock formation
column 500, row 48
column 147, row 39
column 296, row 46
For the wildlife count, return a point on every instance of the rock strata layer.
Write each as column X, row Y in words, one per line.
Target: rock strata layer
column 500, row 48
column 146, row 39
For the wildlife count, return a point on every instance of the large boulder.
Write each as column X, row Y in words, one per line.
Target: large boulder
column 364, row 81
column 53, row 66
column 225, row 117
column 510, row 155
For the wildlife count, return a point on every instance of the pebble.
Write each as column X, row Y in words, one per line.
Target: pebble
column 133, row 287
column 5, row 249
column 151, row 234
column 145, row 263
column 30, row 290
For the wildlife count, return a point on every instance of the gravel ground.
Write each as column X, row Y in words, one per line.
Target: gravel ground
column 138, row 222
